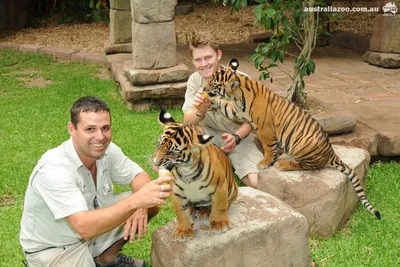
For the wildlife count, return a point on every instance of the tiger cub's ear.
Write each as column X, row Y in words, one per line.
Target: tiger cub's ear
column 164, row 117
column 233, row 64
column 204, row 140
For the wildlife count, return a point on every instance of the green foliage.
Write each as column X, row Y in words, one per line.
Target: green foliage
column 67, row 11
column 288, row 24
column 285, row 19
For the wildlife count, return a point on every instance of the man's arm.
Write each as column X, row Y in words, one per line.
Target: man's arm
column 138, row 182
column 244, row 130
column 230, row 140
column 89, row 224
column 192, row 113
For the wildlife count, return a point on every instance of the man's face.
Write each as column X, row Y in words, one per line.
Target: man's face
column 92, row 135
column 206, row 60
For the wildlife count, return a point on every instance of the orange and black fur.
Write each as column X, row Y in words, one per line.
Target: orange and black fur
column 204, row 184
column 279, row 123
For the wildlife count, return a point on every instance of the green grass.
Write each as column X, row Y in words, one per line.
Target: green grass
column 366, row 241
column 34, row 120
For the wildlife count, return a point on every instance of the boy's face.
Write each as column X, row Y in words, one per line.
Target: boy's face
column 206, row 60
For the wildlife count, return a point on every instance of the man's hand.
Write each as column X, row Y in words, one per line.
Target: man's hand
column 201, row 103
column 153, row 193
column 136, row 224
column 230, row 142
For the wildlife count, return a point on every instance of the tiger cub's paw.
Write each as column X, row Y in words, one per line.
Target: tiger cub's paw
column 220, row 226
column 264, row 164
column 184, row 234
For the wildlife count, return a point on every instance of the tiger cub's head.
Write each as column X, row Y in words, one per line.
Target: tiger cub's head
column 180, row 143
column 223, row 83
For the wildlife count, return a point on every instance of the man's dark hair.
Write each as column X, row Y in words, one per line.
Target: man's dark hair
column 87, row 104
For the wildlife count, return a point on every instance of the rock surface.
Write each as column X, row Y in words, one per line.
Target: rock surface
column 265, row 230
column 325, row 197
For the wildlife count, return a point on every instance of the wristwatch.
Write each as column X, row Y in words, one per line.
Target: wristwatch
column 237, row 138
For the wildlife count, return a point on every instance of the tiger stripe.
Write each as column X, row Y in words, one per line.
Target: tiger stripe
column 203, row 175
column 278, row 122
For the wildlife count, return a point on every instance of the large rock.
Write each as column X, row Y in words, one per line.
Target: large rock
column 336, row 122
column 361, row 137
column 266, row 232
column 389, row 143
column 153, row 45
column 325, row 197
column 386, row 60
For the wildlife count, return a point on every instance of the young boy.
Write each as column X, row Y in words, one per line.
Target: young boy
column 233, row 138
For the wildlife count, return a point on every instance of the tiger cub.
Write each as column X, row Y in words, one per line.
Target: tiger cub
column 204, row 184
column 279, row 123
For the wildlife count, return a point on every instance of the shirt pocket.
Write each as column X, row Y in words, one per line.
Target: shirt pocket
column 105, row 195
column 88, row 193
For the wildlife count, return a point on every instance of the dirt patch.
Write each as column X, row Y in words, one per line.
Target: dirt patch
column 7, row 200
column 35, row 81
column 27, row 72
column 227, row 28
column 104, row 74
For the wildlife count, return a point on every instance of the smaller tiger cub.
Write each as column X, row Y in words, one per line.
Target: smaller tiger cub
column 204, row 184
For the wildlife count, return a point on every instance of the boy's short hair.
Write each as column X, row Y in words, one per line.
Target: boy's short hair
column 87, row 104
column 201, row 39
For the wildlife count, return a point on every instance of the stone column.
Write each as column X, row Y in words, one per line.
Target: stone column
column 120, row 28
column 384, row 46
column 156, row 78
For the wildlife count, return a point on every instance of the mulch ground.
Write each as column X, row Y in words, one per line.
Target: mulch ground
column 226, row 27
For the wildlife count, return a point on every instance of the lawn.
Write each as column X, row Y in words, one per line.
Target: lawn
column 36, row 94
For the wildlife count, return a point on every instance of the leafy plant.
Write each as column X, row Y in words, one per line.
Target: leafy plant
column 67, row 11
column 289, row 23
column 100, row 9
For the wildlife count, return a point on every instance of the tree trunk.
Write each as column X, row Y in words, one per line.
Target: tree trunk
column 296, row 92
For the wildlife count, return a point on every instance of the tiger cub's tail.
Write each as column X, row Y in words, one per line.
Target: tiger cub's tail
column 346, row 170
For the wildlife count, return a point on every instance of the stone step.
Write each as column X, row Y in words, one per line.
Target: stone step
column 325, row 197
column 178, row 73
column 265, row 230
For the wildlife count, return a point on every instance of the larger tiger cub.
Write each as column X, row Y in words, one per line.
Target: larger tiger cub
column 204, row 183
column 279, row 123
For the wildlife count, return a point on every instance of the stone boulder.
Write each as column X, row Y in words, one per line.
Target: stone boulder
column 386, row 60
column 265, row 230
column 336, row 122
column 325, row 197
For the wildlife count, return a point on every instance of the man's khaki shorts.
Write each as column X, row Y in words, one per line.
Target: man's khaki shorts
column 80, row 253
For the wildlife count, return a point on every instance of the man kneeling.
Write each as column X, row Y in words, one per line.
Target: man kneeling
column 71, row 216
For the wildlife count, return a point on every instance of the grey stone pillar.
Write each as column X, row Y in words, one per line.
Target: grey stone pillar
column 155, row 77
column 120, row 40
column 141, row 54
column 384, row 46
